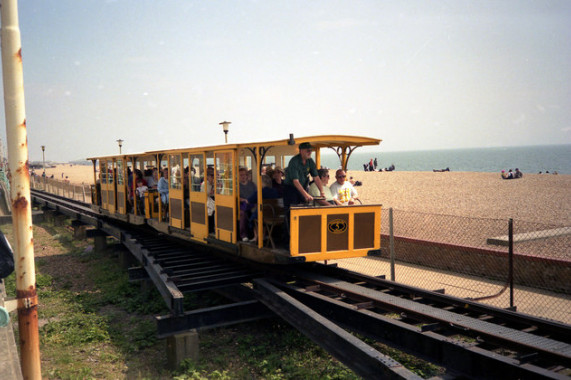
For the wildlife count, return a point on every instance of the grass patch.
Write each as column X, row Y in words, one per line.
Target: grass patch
column 94, row 324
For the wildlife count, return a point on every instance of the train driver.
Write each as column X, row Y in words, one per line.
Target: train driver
column 297, row 181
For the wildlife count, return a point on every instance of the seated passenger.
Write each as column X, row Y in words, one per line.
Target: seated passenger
column 209, row 183
column 247, row 188
column 185, row 184
column 267, row 193
column 140, row 192
column 151, row 178
column 163, row 186
column 208, row 186
column 277, row 174
column 314, row 191
column 342, row 190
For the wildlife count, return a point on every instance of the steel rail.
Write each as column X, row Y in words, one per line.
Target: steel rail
column 365, row 360
column 439, row 299
column 364, row 310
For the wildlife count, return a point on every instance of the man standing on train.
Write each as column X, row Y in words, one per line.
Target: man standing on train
column 300, row 167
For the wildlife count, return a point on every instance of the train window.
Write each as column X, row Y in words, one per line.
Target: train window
column 270, row 160
column 196, row 172
column 185, row 175
column 246, row 162
column 103, row 171
column 120, row 172
column 110, row 174
column 163, row 164
column 224, row 173
column 175, row 171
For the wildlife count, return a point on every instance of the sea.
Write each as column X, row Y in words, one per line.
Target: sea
column 528, row 159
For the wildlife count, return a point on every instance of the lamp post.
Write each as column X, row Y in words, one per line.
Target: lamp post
column 225, row 125
column 44, row 164
column 120, row 142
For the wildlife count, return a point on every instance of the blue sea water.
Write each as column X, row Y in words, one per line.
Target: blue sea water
column 529, row 159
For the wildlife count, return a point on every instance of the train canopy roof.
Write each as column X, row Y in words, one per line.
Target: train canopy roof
column 337, row 142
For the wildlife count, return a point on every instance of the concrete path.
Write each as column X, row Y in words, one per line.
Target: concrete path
column 527, row 236
column 536, row 302
column 9, row 358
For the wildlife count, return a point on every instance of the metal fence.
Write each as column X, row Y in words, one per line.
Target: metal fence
column 469, row 258
column 462, row 256
column 62, row 188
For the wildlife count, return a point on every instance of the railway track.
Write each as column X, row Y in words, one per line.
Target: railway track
column 468, row 338
column 344, row 312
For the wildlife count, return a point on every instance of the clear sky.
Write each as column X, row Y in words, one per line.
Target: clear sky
column 417, row 74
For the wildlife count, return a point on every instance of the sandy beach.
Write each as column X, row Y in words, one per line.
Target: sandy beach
column 77, row 174
column 542, row 198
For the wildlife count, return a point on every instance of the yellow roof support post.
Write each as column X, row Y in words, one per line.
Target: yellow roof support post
column 15, row 114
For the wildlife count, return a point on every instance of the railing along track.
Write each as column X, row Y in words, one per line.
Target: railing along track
column 331, row 305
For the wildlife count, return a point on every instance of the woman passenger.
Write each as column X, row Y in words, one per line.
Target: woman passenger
column 277, row 175
column 163, row 186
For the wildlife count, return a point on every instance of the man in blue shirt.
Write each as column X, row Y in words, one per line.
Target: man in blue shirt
column 163, row 186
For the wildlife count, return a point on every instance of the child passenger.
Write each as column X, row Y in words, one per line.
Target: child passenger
column 141, row 190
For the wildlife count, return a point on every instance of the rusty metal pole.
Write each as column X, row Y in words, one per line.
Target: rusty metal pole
column 12, row 70
column 511, row 259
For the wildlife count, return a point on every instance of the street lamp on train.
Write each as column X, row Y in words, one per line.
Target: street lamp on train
column 44, row 164
column 120, row 142
column 225, row 125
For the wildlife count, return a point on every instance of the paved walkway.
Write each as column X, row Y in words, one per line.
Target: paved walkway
column 9, row 359
column 536, row 302
column 527, row 236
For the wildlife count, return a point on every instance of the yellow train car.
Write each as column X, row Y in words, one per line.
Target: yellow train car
column 194, row 194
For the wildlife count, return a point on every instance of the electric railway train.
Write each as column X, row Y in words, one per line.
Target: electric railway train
column 308, row 232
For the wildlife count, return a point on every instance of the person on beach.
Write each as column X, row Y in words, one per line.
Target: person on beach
column 518, row 173
column 300, row 167
column 342, row 190
column 508, row 175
